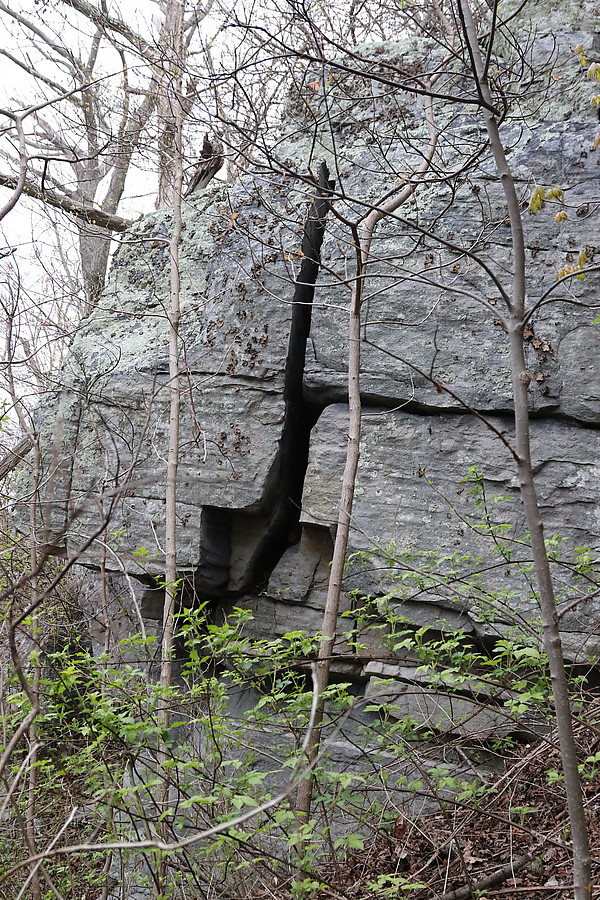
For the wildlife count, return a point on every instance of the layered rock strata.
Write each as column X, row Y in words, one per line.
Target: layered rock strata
column 263, row 361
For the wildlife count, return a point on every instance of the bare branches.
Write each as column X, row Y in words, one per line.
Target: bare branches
column 107, row 23
column 56, row 48
column 410, row 86
column 19, row 182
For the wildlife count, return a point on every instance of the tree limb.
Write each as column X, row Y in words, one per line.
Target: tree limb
column 47, row 39
column 33, row 72
column 90, row 214
column 497, row 877
column 14, row 456
column 111, row 23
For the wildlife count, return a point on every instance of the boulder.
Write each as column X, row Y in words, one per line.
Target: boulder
column 438, row 534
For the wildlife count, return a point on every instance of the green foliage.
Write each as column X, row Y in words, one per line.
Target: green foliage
column 101, row 739
column 392, row 885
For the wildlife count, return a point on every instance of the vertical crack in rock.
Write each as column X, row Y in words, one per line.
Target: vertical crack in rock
column 54, row 519
column 212, row 574
column 293, row 451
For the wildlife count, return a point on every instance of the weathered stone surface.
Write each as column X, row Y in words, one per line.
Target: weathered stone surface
column 412, row 499
column 107, row 431
column 435, row 711
column 264, row 429
column 431, row 312
column 431, row 307
column 256, row 526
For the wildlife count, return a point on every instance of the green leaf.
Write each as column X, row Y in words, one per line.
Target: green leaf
column 537, row 199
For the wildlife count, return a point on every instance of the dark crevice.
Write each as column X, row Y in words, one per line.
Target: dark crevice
column 374, row 402
column 215, row 551
column 281, row 528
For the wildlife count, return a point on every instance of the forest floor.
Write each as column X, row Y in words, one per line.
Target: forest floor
column 514, row 844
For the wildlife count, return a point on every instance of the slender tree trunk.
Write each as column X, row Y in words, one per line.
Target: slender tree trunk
column 362, row 243
column 175, row 93
column 95, row 242
column 31, row 440
column 520, row 386
column 36, row 893
column 552, row 638
column 334, row 589
column 169, row 109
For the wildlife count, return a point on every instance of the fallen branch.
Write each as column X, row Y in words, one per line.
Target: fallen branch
column 14, row 456
column 90, row 214
column 501, row 875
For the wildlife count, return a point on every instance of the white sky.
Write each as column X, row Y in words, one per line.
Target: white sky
column 26, row 229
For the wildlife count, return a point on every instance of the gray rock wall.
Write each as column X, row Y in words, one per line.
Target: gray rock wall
column 264, row 418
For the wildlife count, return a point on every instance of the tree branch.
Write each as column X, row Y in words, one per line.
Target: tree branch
column 14, row 456
column 90, row 214
column 110, row 23
column 56, row 48
column 501, row 875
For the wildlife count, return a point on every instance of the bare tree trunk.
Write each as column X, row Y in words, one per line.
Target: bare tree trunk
column 94, row 250
column 168, row 107
column 520, row 385
column 94, row 243
column 362, row 243
column 36, row 893
column 31, row 440
column 174, row 95
column 334, row 589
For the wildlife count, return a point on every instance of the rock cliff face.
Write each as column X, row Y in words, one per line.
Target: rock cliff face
column 264, row 419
